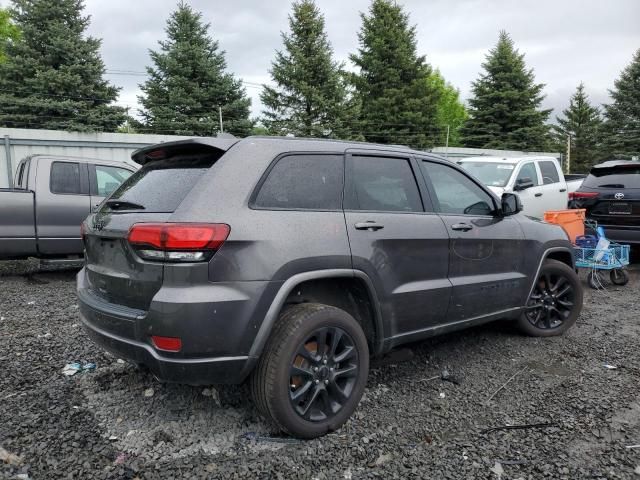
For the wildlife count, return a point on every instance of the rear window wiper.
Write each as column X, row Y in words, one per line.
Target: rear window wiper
column 611, row 185
column 123, row 205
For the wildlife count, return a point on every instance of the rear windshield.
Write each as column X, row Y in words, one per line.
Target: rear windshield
column 161, row 185
column 614, row 177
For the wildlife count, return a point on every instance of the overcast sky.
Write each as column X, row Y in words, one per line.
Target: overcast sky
column 565, row 41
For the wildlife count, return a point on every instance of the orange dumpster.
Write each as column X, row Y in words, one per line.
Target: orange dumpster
column 572, row 221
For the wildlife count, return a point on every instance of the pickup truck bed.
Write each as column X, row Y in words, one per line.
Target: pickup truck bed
column 17, row 223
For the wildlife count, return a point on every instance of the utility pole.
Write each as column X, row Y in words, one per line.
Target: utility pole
column 128, row 122
column 568, row 154
column 220, row 115
column 446, row 145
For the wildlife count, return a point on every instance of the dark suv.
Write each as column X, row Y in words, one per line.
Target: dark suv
column 289, row 262
column 611, row 196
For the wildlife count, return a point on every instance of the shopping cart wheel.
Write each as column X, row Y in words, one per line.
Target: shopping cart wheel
column 594, row 279
column 619, row 276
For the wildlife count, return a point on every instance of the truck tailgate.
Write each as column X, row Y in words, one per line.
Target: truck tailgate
column 17, row 225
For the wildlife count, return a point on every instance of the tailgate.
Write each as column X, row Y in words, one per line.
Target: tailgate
column 115, row 272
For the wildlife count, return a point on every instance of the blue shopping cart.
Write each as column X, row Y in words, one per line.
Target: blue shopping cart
column 597, row 253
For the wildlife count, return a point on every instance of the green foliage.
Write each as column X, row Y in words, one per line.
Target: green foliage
column 311, row 96
column 188, row 83
column 583, row 123
column 505, row 108
column 53, row 76
column 450, row 111
column 9, row 32
column 623, row 115
column 398, row 103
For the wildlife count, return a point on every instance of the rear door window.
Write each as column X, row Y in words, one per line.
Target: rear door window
column 303, row 181
column 549, row 172
column 382, row 184
column 65, row 178
column 161, row 185
column 108, row 179
column 627, row 176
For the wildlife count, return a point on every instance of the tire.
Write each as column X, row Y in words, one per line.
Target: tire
column 619, row 276
column 335, row 382
column 595, row 280
column 551, row 310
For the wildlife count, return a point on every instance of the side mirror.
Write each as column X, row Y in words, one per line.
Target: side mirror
column 523, row 184
column 510, row 204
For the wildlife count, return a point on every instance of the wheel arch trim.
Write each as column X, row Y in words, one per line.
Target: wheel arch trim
column 290, row 284
column 545, row 255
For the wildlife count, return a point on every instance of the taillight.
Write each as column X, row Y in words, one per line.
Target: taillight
column 83, row 231
column 579, row 195
column 177, row 242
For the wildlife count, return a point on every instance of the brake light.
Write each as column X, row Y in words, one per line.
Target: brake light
column 577, row 195
column 177, row 242
column 83, row 231
column 167, row 344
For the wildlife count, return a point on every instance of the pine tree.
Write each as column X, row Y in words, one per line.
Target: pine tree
column 188, row 83
column 623, row 115
column 583, row 124
column 53, row 75
column 450, row 112
column 505, row 107
column 311, row 96
column 398, row 104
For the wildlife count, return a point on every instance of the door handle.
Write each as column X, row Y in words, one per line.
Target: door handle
column 368, row 225
column 462, row 227
column 538, row 195
column 563, row 190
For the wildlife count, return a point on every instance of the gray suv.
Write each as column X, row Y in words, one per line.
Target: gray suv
column 290, row 262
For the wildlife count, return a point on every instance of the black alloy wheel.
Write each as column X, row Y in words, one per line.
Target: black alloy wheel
column 551, row 302
column 323, row 374
column 555, row 301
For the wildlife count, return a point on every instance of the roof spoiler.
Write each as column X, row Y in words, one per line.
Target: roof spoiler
column 159, row 151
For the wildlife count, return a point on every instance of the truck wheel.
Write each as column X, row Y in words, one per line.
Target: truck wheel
column 555, row 302
column 313, row 371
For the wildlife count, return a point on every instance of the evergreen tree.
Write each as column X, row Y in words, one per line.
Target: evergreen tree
column 9, row 32
column 53, row 76
column 450, row 112
column 623, row 115
column 310, row 97
column 505, row 108
column 399, row 105
column 189, row 83
column 582, row 122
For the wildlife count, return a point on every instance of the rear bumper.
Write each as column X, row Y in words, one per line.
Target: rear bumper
column 217, row 324
column 195, row 371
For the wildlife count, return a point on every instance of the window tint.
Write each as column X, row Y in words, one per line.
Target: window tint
column 161, row 185
column 549, row 172
column 65, row 177
column 108, row 179
column 456, row 193
column 311, row 182
column 623, row 176
column 383, row 184
column 528, row 170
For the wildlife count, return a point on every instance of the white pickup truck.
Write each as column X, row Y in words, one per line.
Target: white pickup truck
column 538, row 181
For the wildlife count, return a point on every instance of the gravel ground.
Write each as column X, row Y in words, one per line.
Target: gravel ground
column 118, row 422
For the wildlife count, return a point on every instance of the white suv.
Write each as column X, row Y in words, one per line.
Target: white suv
column 537, row 180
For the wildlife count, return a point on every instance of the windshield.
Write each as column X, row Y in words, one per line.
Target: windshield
column 621, row 176
column 492, row 174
